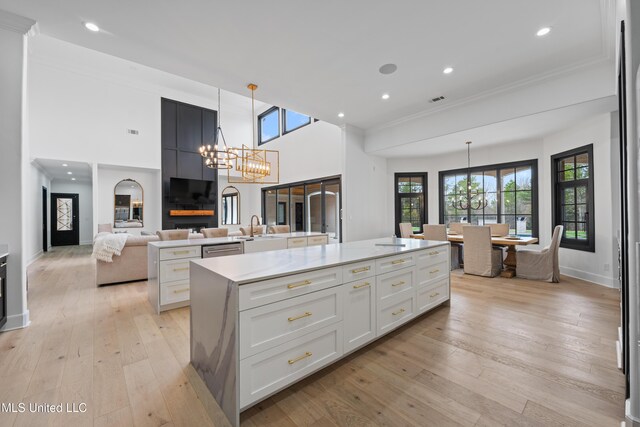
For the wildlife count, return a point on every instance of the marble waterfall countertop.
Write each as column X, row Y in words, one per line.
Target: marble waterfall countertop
column 231, row 239
column 254, row 267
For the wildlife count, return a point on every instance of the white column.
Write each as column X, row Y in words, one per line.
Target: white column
column 13, row 30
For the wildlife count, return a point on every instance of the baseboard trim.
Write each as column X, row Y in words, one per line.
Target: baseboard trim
column 17, row 321
column 35, row 257
column 589, row 277
column 88, row 242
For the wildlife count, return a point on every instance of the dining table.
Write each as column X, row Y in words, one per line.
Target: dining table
column 509, row 241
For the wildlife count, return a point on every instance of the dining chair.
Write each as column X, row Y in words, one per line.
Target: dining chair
column 481, row 258
column 274, row 229
column 541, row 265
column 257, row 230
column 406, row 230
column 173, row 234
column 499, row 230
column 215, row 232
column 456, row 227
column 439, row 232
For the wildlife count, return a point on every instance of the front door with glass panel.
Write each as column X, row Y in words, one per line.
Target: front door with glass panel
column 65, row 228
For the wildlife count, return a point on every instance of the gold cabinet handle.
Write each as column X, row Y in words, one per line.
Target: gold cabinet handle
column 434, row 271
column 398, row 261
column 395, row 313
column 299, row 358
column 179, row 291
column 181, row 269
column 434, row 295
column 361, row 285
column 434, row 253
column 297, row 285
column 180, row 252
column 301, row 316
column 398, row 284
column 360, row 270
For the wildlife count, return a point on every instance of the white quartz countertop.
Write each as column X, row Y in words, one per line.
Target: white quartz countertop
column 254, row 267
column 164, row 244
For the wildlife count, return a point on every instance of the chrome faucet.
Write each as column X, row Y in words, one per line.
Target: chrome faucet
column 258, row 223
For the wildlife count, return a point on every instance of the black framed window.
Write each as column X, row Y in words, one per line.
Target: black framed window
column 292, row 120
column 509, row 192
column 573, row 203
column 269, row 125
column 411, row 200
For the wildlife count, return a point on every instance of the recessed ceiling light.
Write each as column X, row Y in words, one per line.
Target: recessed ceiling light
column 69, row 173
column 543, row 31
column 388, row 69
column 73, row 179
column 385, row 96
column 65, row 165
column 91, row 27
column 341, row 115
column 448, row 70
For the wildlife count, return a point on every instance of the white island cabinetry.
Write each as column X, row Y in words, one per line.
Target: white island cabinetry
column 256, row 331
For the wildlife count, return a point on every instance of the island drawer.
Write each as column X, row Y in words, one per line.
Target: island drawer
column 274, row 369
column 394, row 315
column 397, row 282
column 359, row 270
column 273, row 290
column 393, row 263
column 432, row 256
column 174, row 292
column 181, row 252
column 173, row 270
column 272, row 325
column 430, row 296
column 296, row 242
column 317, row 240
column 427, row 274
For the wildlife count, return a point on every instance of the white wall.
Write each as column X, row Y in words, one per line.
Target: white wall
column 84, row 190
column 597, row 130
column 108, row 176
column 33, row 218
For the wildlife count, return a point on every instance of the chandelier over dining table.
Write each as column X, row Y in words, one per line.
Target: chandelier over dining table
column 473, row 199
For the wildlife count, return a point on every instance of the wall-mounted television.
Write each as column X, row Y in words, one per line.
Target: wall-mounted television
column 192, row 191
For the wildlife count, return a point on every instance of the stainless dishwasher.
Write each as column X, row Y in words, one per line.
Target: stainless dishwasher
column 221, row 249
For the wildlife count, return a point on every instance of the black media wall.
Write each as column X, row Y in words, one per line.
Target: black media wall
column 184, row 129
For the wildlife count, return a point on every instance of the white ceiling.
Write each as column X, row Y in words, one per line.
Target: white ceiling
column 320, row 58
column 57, row 172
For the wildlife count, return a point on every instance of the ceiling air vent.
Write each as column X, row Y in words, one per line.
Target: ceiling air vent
column 437, row 99
column 133, row 131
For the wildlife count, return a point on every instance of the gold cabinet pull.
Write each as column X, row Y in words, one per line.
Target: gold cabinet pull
column 395, row 313
column 398, row 284
column 181, row 269
column 301, row 316
column 299, row 358
column 434, row 271
column 361, row 285
column 360, row 270
column 297, row 285
column 398, row 261
column 179, row 291
column 180, row 252
column 434, row 252
column 434, row 295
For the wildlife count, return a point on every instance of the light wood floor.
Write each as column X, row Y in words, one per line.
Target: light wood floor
column 506, row 352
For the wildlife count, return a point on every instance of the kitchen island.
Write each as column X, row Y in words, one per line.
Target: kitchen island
column 261, row 322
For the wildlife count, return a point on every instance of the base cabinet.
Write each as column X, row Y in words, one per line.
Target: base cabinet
column 360, row 317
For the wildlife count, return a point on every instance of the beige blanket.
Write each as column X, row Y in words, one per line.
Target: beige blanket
column 106, row 245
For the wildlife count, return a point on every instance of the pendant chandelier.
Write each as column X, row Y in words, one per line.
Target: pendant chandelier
column 473, row 199
column 254, row 165
column 219, row 156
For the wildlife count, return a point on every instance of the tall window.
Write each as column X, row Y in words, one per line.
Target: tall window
column 573, row 197
column 510, row 192
column 269, row 125
column 230, row 209
column 411, row 200
column 292, row 120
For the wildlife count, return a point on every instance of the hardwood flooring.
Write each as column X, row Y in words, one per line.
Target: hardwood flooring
column 506, row 352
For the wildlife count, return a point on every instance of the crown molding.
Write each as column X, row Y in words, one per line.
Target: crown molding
column 16, row 23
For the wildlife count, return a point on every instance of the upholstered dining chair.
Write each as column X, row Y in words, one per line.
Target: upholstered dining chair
column 439, row 232
column 541, row 265
column 406, row 230
column 499, row 230
column 274, row 229
column 481, row 258
column 257, row 230
column 456, row 227
column 173, row 234
column 215, row 232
